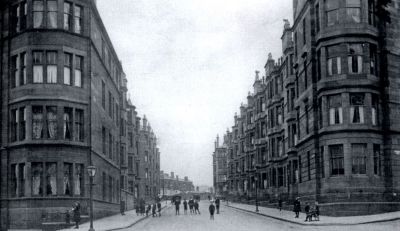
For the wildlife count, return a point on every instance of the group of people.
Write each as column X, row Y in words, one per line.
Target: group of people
column 212, row 207
column 154, row 209
column 193, row 206
column 310, row 211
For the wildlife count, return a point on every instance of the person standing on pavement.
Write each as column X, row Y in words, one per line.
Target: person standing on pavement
column 280, row 204
column 307, row 210
column 159, row 208
column 148, row 210
column 154, row 210
column 211, row 209
column 196, row 207
column 185, row 204
column 217, row 202
column 296, row 207
column 191, row 205
column 77, row 214
column 177, row 204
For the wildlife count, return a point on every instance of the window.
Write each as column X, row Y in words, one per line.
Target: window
column 359, row 158
column 334, row 60
column 320, row 115
column 78, row 184
column 110, row 187
column 337, row 159
column 18, row 14
column 371, row 12
column 104, row 186
column 67, row 123
column 79, row 127
column 373, row 58
column 332, row 12
column 78, row 19
column 51, row 179
column 130, row 164
column 37, row 67
column 37, row 122
column 335, row 109
column 51, row 122
column 304, row 31
column 319, row 69
column 307, row 119
column 67, row 179
column 357, row 108
column 309, row 165
column 22, row 80
column 51, row 66
column 103, row 137
column 322, row 161
column 110, row 146
column 52, row 14
column 374, row 110
column 67, row 16
column 317, row 20
column 103, row 94
column 78, row 71
column 38, row 11
column 377, row 159
column 353, row 11
column 22, row 123
column 67, row 68
column 110, row 104
column 355, row 59
column 14, row 124
column 37, row 179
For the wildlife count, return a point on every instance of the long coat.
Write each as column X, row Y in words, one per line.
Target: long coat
column 296, row 206
column 77, row 213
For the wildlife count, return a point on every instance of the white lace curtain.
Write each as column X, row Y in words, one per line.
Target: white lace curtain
column 37, row 172
column 37, row 123
column 52, row 122
column 51, row 179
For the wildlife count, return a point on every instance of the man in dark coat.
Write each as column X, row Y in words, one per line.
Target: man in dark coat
column 307, row 210
column 154, row 210
column 77, row 214
column 280, row 204
column 211, row 209
column 196, row 207
column 217, row 202
column 296, row 207
column 159, row 208
column 185, row 204
column 177, row 204
column 191, row 204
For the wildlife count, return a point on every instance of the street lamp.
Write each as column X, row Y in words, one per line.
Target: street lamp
column 256, row 179
column 92, row 172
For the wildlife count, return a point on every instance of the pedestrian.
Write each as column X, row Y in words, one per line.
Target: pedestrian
column 280, row 204
column 211, row 209
column 154, row 210
column 177, row 204
column 77, row 214
column 307, row 210
column 185, row 204
column 196, row 207
column 217, row 202
column 296, row 207
column 316, row 211
column 159, row 208
column 142, row 207
column 148, row 210
column 122, row 208
column 137, row 208
column 191, row 204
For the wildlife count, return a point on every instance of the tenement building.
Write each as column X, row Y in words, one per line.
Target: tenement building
column 323, row 123
column 64, row 108
column 171, row 184
column 220, row 166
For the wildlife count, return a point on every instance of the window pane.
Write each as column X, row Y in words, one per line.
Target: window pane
column 67, row 179
column 52, row 14
column 67, row 123
column 78, row 185
column 51, row 74
column 37, row 179
column 37, row 122
column 51, row 122
column 38, row 14
column 78, row 19
column 51, row 178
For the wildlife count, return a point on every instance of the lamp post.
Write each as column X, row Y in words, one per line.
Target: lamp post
column 92, row 172
column 256, row 179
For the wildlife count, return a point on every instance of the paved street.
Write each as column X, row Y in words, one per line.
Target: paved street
column 232, row 219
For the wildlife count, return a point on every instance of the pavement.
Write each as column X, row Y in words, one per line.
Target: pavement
column 288, row 216
column 117, row 222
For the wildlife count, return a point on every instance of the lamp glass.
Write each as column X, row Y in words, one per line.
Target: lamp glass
column 91, row 171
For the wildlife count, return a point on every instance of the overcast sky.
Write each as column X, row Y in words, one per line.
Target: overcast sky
column 189, row 64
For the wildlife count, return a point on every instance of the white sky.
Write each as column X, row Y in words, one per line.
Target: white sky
column 189, row 64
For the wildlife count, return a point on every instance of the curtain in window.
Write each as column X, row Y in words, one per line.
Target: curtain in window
column 78, row 179
column 67, row 126
column 51, row 74
column 67, row 179
column 38, row 13
column 52, row 14
column 67, row 16
column 78, row 78
column 17, row 65
column 51, row 179
column 38, row 74
column 77, row 20
column 37, row 171
column 373, row 116
column 67, row 75
column 52, row 122
column 37, row 123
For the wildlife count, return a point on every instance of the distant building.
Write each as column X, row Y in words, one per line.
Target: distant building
column 172, row 184
column 220, row 167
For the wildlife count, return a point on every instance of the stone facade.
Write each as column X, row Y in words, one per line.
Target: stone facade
column 322, row 124
column 220, row 167
column 64, row 107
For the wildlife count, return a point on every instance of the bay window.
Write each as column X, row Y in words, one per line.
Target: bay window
column 355, row 59
column 51, row 66
column 337, row 159
column 359, row 158
column 37, row 67
column 335, row 109
column 353, row 11
column 357, row 108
